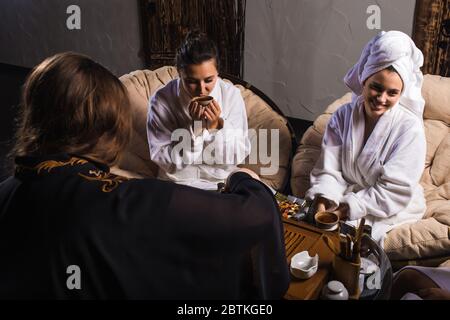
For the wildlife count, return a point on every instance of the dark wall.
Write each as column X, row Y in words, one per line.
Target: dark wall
column 31, row 31
column 11, row 81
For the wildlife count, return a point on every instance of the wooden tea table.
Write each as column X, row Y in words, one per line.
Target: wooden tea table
column 301, row 236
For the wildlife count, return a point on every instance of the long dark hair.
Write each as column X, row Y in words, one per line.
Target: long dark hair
column 71, row 104
column 195, row 49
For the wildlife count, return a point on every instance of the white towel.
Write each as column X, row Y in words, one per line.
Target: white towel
column 397, row 49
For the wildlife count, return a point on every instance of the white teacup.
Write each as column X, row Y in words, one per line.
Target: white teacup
column 303, row 266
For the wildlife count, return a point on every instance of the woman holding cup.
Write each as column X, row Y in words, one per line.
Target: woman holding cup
column 206, row 112
column 373, row 150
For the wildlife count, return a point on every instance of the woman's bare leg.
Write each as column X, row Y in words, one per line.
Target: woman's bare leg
column 410, row 280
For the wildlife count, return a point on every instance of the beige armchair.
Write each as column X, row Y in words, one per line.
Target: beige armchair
column 261, row 112
column 426, row 242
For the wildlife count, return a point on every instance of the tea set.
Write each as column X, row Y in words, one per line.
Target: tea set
column 303, row 266
column 346, row 282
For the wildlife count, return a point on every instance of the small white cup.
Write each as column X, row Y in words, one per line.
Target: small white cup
column 303, row 266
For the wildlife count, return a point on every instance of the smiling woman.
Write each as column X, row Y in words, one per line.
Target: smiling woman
column 365, row 168
column 381, row 92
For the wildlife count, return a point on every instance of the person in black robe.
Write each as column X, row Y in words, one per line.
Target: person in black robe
column 70, row 229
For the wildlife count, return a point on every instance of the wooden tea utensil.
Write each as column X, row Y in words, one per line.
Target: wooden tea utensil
column 343, row 246
column 331, row 245
column 348, row 251
column 357, row 245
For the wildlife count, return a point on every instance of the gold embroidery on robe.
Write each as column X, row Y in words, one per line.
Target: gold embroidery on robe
column 110, row 181
column 51, row 164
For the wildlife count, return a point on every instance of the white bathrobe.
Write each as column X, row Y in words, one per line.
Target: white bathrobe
column 211, row 155
column 380, row 180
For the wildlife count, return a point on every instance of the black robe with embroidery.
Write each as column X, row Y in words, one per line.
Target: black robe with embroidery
column 143, row 239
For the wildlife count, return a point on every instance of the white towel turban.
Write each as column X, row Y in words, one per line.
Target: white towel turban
column 397, row 49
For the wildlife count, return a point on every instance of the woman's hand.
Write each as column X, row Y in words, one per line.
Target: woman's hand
column 323, row 204
column 196, row 111
column 320, row 206
column 212, row 116
column 342, row 211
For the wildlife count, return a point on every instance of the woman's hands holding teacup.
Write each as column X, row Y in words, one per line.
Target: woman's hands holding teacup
column 324, row 204
column 342, row 211
column 208, row 114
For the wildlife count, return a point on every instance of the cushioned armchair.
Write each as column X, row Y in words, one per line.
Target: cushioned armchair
column 426, row 242
column 261, row 111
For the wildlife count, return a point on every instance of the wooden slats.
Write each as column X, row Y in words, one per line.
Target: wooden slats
column 291, row 241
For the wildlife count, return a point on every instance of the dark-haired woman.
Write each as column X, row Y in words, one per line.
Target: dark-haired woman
column 69, row 228
column 373, row 150
column 194, row 144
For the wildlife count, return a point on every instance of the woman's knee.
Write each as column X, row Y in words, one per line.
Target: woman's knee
column 410, row 280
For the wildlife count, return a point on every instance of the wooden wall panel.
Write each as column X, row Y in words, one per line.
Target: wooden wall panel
column 166, row 22
column 432, row 35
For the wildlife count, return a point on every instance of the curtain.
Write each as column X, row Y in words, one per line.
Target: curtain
column 166, row 22
column 431, row 34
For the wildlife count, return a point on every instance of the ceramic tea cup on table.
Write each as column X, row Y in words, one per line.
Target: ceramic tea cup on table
column 326, row 220
column 303, row 266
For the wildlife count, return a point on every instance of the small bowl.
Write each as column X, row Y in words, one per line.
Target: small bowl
column 303, row 266
column 204, row 101
column 326, row 220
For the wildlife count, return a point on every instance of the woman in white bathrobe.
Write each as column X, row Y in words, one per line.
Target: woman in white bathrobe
column 373, row 150
column 193, row 144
